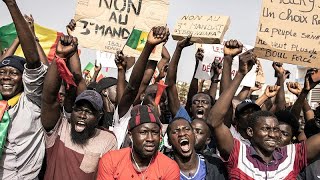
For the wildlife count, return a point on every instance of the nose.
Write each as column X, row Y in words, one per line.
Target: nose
column 149, row 137
column 272, row 133
column 82, row 114
column 6, row 76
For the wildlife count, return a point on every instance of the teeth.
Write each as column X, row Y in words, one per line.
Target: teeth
column 6, row 86
column 81, row 122
column 183, row 140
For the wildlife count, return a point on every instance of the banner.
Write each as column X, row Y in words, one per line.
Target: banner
column 204, row 29
column 213, row 53
column 106, row 24
column 289, row 32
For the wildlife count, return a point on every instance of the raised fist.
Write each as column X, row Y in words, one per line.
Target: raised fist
column 158, row 35
column 120, row 61
column 246, row 61
column 199, row 54
column 271, row 91
column 185, row 42
column 67, row 46
column 232, row 48
column 294, row 87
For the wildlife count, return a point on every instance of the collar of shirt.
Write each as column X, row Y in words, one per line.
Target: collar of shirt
column 277, row 156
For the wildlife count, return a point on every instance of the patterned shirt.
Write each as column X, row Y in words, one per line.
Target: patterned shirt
column 244, row 162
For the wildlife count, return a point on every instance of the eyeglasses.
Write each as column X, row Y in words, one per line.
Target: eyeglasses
column 197, row 102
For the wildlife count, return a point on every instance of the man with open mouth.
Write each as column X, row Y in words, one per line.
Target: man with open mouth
column 262, row 159
column 142, row 160
column 192, row 165
column 74, row 144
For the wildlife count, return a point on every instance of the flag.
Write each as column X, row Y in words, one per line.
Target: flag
column 48, row 39
column 89, row 70
column 137, row 39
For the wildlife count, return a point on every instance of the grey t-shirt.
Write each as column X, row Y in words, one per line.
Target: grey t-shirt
column 24, row 149
column 311, row 172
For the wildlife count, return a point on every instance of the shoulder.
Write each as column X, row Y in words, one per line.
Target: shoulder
column 165, row 161
column 104, row 140
column 116, row 156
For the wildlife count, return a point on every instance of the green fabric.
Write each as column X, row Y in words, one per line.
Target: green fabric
column 89, row 66
column 7, row 35
column 133, row 40
column 4, row 124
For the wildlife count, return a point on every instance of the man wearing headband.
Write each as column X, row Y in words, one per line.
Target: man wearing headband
column 142, row 160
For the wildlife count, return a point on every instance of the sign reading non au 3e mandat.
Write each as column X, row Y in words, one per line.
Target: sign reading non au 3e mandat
column 204, row 29
column 106, row 24
column 289, row 32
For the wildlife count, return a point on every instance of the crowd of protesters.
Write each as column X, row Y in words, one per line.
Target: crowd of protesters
column 61, row 125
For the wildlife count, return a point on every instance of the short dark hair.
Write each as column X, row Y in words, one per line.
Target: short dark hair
column 253, row 119
column 173, row 120
column 285, row 116
column 211, row 98
column 311, row 128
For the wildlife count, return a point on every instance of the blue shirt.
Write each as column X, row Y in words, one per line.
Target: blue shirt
column 200, row 173
column 182, row 112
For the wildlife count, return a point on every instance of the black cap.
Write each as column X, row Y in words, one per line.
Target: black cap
column 246, row 104
column 105, row 83
column 14, row 61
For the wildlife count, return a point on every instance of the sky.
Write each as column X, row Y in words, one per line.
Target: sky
column 244, row 15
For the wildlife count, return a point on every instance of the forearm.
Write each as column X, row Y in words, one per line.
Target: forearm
column 243, row 94
column 140, row 67
column 226, row 73
column 221, row 107
column 307, row 111
column 213, row 87
column 193, row 89
column 75, row 68
column 132, row 88
column 25, row 35
column 121, row 85
column 261, row 100
column 12, row 49
column 173, row 67
column 280, row 100
column 148, row 74
column 50, row 107
column 42, row 55
column 297, row 106
column 94, row 77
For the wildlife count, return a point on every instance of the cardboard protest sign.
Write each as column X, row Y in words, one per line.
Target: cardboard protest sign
column 106, row 24
column 204, row 29
column 289, row 32
column 213, row 53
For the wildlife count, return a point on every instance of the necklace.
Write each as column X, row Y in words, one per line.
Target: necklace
column 135, row 162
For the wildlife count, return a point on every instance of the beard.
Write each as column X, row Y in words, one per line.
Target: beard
column 83, row 137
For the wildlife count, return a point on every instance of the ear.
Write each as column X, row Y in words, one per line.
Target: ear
column 250, row 132
column 142, row 95
column 208, row 140
column 130, row 135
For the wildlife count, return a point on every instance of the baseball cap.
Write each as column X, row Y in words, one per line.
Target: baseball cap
column 246, row 104
column 105, row 83
column 92, row 97
column 142, row 114
column 14, row 61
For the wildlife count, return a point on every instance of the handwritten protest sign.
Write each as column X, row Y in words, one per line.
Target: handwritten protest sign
column 204, row 29
column 106, row 24
column 289, row 32
column 213, row 53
